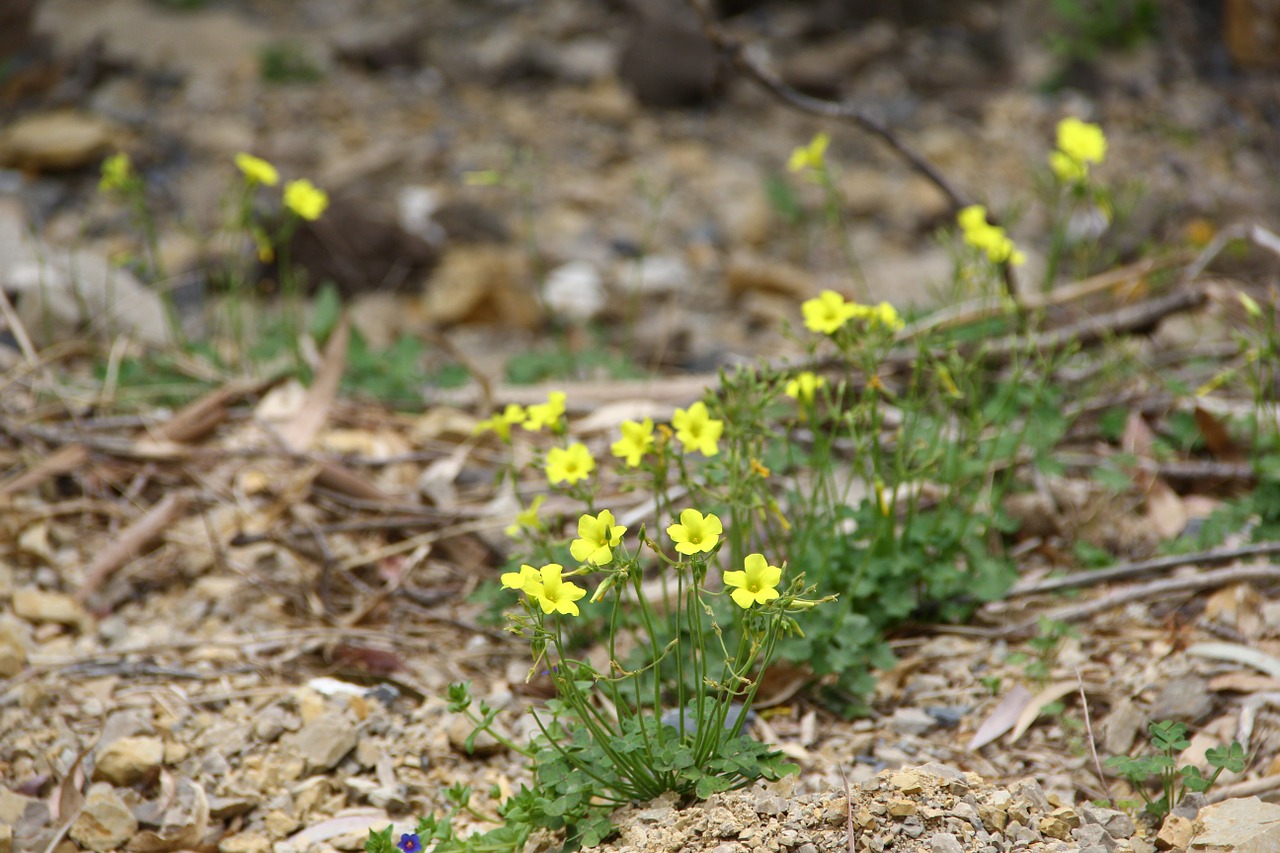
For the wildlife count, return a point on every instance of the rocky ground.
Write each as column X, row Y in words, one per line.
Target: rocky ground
column 199, row 668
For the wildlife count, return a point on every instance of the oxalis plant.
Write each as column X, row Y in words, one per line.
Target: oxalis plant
column 668, row 717
column 1170, row 738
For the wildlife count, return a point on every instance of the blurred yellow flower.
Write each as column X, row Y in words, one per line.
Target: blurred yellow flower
column 636, row 441
column 989, row 238
column 569, row 464
column 116, row 172
column 546, row 414
column 757, row 584
column 1079, row 144
column 305, row 199
column 501, row 422
column 527, row 518
column 695, row 533
column 803, row 386
column 811, row 156
column 256, row 170
column 697, row 430
column 827, row 312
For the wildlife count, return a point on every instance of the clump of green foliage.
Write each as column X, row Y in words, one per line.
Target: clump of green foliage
column 1169, row 739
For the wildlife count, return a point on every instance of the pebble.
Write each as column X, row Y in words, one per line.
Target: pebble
column 324, row 741
column 1243, row 824
column 911, row 721
column 105, row 823
column 945, row 842
column 128, row 760
column 56, row 141
column 38, row 605
column 575, row 291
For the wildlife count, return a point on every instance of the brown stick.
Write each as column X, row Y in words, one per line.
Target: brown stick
column 1148, row 592
column 742, row 58
column 131, row 541
column 1144, row 567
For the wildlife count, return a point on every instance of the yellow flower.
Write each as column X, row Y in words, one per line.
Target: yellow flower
column 569, row 464
column 636, row 441
column 886, row 315
column 305, row 199
column 527, row 518
column 597, row 537
column 546, row 414
column 697, row 430
column 827, row 312
column 1081, row 141
column 501, row 422
column 256, row 170
column 556, row 595
column 1067, row 169
column 526, row 580
column 811, row 156
column 757, row 585
column 803, row 386
column 989, row 238
column 695, row 533
column 116, row 171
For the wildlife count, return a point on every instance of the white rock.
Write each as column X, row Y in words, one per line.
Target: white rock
column 575, row 291
column 654, row 276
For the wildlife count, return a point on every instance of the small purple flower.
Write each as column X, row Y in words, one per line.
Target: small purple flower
column 410, row 843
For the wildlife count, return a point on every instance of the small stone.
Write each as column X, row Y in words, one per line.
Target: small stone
column 1187, row 699
column 1117, row 824
column 105, row 822
column 575, row 290
column 769, row 803
column 748, row 273
column 902, row 808
column 278, row 824
column 1054, row 827
column 654, row 275
column 128, row 760
column 325, row 741
column 911, row 721
column 945, row 842
column 1241, row 825
column 271, row 723
column 1030, row 791
column 1067, row 815
column 1091, row 835
column 993, row 819
column 907, row 781
column 38, row 605
column 1175, row 834
column 245, row 842
column 56, row 141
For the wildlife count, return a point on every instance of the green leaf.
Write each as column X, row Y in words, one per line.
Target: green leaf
column 709, row 785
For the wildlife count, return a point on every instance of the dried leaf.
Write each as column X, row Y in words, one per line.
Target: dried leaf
column 1239, row 607
column 1165, row 509
column 1236, row 653
column 1032, row 711
column 1002, row 717
column 1216, row 438
column 301, row 430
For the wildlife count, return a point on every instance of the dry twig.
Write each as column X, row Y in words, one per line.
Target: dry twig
column 1150, row 592
column 1128, row 571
